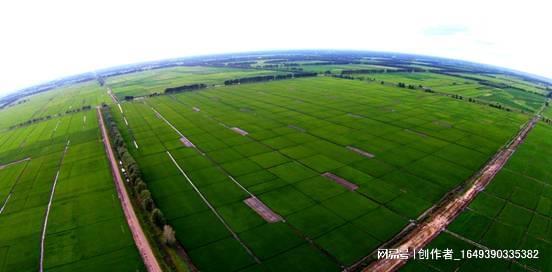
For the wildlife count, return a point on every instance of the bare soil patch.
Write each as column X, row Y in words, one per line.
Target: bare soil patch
column 264, row 211
column 341, row 181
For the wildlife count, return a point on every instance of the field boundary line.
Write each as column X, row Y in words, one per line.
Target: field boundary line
column 441, row 215
column 13, row 186
column 214, row 210
column 138, row 235
column 293, row 228
column 52, row 192
column 14, row 162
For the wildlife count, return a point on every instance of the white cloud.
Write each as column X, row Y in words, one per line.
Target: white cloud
column 42, row 40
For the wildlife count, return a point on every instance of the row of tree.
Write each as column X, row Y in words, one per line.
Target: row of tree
column 185, row 88
column 268, row 78
column 140, row 190
column 404, row 85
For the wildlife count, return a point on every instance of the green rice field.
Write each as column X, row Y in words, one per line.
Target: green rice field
column 424, row 145
column 344, row 165
column 515, row 212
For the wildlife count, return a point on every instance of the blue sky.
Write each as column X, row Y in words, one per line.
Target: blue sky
column 43, row 40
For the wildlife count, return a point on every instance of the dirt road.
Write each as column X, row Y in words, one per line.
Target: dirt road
column 140, row 239
column 446, row 212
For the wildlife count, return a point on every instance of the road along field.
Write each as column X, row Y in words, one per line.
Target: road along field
column 140, row 238
column 421, row 146
column 513, row 212
column 448, row 210
column 85, row 228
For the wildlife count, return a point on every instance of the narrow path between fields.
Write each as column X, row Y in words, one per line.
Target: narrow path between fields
column 14, row 162
column 52, row 192
column 444, row 213
column 15, row 183
column 138, row 234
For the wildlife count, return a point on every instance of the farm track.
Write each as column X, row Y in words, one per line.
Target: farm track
column 441, row 215
column 140, row 239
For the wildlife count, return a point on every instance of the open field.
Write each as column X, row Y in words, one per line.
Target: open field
column 302, row 174
column 84, row 208
column 509, row 97
column 297, row 130
column 510, row 81
column 53, row 102
column 148, row 82
column 515, row 212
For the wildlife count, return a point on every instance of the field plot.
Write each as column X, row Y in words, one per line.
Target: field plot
column 422, row 146
column 547, row 112
column 514, row 212
column 85, row 230
column 509, row 97
column 53, row 102
column 336, row 68
column 148, row 82
column 511, row 81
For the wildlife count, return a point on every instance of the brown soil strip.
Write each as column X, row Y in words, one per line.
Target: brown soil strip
column 341, row 181
column 260, row 208
column 443, row 213
column 239, row 131
column 138, row 234
column 186, row 142
column 361, row 152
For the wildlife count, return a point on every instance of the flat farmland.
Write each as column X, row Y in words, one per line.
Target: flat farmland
column 85, row 228
column 509, row 97
column 337, row 68
column 152, row 81
column 56, row 101
column 404, row 149
column 514, row 212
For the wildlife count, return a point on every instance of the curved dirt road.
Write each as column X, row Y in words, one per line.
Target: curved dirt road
column 140, row 239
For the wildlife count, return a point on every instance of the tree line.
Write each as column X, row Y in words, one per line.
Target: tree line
column 268, row 78
column 185, row 88
column 140, row 191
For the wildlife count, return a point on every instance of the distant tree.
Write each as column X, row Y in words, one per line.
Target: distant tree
column 169, row 236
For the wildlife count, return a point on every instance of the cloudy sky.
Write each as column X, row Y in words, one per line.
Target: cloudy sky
column 44, row 40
